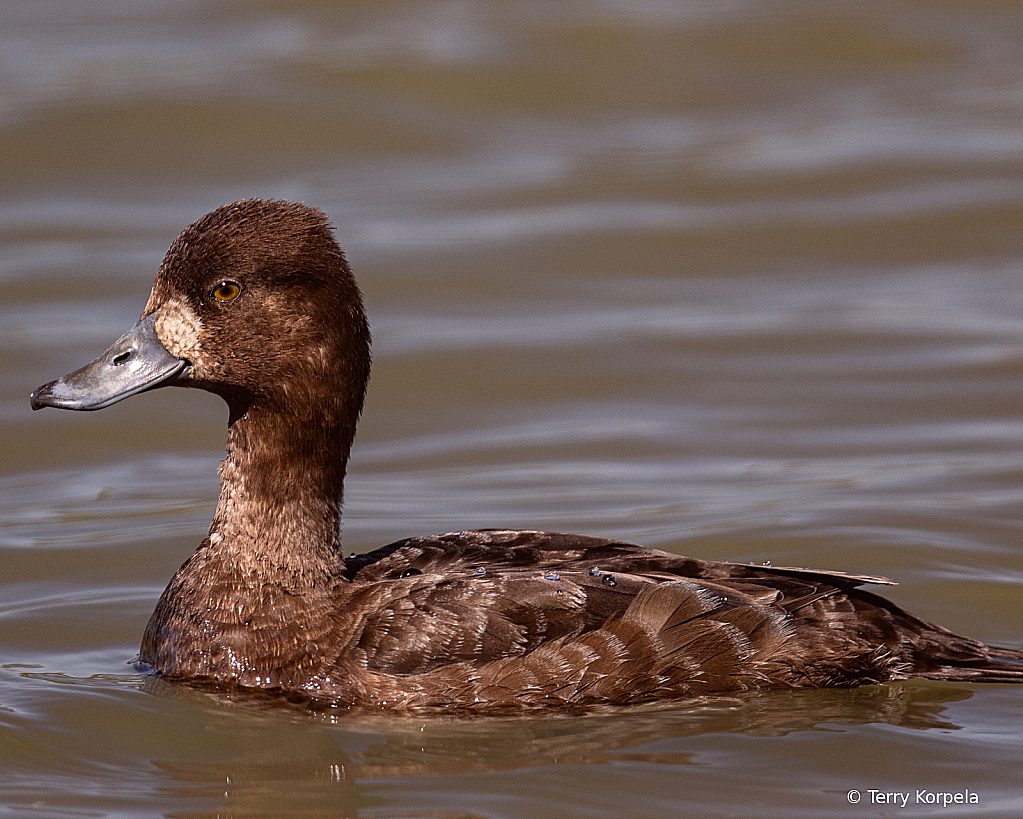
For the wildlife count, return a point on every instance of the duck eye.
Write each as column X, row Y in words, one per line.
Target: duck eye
column 226, row 291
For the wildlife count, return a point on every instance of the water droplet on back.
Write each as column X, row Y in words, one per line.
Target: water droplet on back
column 550, row 574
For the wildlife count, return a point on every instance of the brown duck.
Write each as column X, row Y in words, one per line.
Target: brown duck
column 256, row 303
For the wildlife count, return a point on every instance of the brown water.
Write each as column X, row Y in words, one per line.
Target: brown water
column 737, row 279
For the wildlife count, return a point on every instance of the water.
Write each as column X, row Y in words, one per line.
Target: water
column 736, row 279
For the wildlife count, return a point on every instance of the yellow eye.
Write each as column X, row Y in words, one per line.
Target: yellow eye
column 226, row 291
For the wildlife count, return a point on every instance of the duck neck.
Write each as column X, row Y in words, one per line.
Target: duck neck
column 279, row 512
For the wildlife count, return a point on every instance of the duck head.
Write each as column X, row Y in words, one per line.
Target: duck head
column 254, row 302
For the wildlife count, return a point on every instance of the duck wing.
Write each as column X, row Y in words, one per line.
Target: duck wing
column 525, row 618
column 572, row 618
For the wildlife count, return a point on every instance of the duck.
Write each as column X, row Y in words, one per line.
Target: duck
column 255, row 302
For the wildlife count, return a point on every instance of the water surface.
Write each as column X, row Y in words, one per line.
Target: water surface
column 737, row 279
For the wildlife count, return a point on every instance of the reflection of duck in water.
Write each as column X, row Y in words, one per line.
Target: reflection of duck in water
column 255, row 302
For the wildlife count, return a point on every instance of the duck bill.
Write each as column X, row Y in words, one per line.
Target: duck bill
column 136, row 362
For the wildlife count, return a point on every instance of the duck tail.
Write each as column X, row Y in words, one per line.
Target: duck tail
column 990, row 665
column 935, row 653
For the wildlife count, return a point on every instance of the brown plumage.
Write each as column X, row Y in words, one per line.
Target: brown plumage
column 255, row 302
